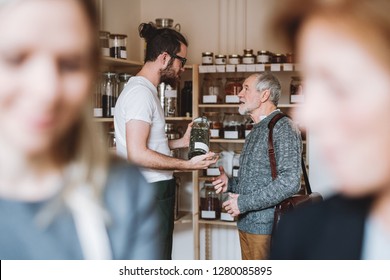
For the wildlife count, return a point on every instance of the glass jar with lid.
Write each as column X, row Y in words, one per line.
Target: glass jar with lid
column 296, row 92
column 111, row 139
column 109, row 88
column 278, row 58
column 233, row 86
column 220, row 59
column 225, row 216
column 104, row 41
column 199, row 138
column 118, row 46
column 97, row 101
column 210, row 205
column 263, row 57
column 123, row 78
column 248, row 51
column 234, row 59
column 207, row 58
column 213, row 170
column 290, row 58
column 215, row 122
column 248, row 59
column 236, row 163
column 233, row 126
column 170, row 102
column 212, row 89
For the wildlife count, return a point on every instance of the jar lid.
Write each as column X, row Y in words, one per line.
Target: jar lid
column 103, row 32
column 109, row 74
column 234, row 56
column 249, row 55
column 263, row 52
column 220, row 56
column 248, row 51
column 207, row 53
column 118, row 36
column 125, row 75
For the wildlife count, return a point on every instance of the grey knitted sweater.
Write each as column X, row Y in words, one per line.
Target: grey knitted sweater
column 258, row 193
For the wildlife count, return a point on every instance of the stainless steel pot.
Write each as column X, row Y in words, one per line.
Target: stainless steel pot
column 167, row 23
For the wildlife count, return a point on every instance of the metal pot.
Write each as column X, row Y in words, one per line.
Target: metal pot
column 167, row 23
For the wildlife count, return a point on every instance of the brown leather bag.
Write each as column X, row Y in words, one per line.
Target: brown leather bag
column 296, row 200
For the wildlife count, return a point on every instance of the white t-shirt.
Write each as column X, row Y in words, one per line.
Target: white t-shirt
column 139, row 101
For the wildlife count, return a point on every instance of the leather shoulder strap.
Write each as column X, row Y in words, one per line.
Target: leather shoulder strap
column 271, row 150
column 271, row 153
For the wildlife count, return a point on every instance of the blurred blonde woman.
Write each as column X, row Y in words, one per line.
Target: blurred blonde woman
column 343, row 47
column 60, row 195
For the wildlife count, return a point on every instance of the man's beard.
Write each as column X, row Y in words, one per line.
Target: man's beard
column 168, row 76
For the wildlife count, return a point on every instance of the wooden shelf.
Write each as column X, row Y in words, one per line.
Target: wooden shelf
column 178, row 118
column 184, row 218
column 103, row 119
column 217, row 222
column 233, row 141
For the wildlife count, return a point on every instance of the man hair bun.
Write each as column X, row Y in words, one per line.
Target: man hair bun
column 147, row 30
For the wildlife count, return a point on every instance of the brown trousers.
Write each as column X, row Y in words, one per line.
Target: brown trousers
column 254, row 246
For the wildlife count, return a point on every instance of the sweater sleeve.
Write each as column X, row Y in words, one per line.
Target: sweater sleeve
column 288, row 148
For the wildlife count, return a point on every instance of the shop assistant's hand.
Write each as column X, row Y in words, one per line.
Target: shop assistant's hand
column 231, row 206
column 202, row 161
column 186, row 137
column 220, row 183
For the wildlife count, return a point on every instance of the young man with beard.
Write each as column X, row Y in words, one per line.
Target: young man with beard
column 254, row 192
column 139, row 122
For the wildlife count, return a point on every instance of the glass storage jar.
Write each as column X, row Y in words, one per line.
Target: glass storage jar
column 97, row 101
column 225, row 216
column 199, row 138
column 290, row 58
column 123, row 78
column 233, row 86
column 186, row 100
column 236, row 163
column 233, row 126
column 207, row 58
column 263, row 57
column 216, row 125
column 220, row 59
column 104, row 39
column 118, row 46
column 109, row 88
column 234, row 59
column 248, row 59
column 172, row 134
column 210, row 205
column 296, row 91
column 213, row 170
column 212, row 89
column 170, row 102
column 278, row 58
column 111, row 139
